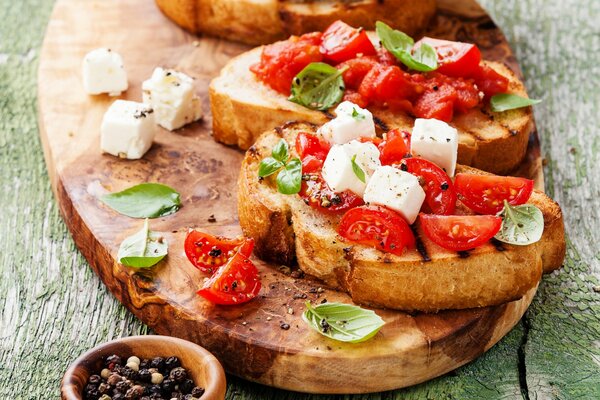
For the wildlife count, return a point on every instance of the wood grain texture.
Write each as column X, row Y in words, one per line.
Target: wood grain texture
column 54, row 308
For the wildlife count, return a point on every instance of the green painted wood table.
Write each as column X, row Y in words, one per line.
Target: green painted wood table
column 52, row 306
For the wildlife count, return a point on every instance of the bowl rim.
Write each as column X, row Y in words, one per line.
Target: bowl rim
column 214, row 389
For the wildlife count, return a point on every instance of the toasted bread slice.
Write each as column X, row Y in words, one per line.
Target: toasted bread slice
column 243, row 108
column 286, row 230
column 265, row 21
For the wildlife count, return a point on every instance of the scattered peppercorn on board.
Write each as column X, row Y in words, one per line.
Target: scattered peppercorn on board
column 264, row 340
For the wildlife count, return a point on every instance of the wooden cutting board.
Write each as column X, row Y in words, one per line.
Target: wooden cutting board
column 247, row 339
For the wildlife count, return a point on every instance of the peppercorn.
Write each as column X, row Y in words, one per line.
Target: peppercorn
column 172, row 362
column 92, row 394
column 144, row 375
column 132, row 365
column 156, row 378
column 145, row 363
column 113, row 379
column 105, row 373
column 105, row 397
column 158, row 363
column 114, row 359
column 167, row 386
column 156, row 396
column 95, row 380
column 104, row 388
column 188, row 397
column 197, row 392
column 176, row 396
column 134, row 393
column 118, row 396
column 129, row 373
column 186, row 386
column 178, row 374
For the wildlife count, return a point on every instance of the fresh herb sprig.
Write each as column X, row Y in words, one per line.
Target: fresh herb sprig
column 521, row 225
column 424, row 58
column 289, row 177
column 142, row 249
column 507, row 101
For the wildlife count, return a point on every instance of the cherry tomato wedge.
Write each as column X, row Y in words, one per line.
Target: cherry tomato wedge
column 394, row 147
column 316, row 193
column 377, row 227
column 313, row 145
column 455, row 59
column 234, row 283
column 485, row 194
column 342, row 42
column 490, row 82
column 440, row 195
column 207, row 252
column 460, row 232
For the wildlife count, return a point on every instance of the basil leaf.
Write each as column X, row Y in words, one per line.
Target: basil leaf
column 521, row 225
column 318, row 86
column 506, row 101
column 358, row 171
column 400, row 45
column 343, row 322
column 281, row 151
column 147, row 200
column 142, row 249
column 289, row 178
column 268, row 166
column 356, row 115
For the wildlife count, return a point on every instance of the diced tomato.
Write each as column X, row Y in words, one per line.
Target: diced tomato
column 354, row 97
column 312, row 150
column 207, row 252
column 316, row 193
column 467, row 95
column 485, row 194
column 436, row 103
column 440, row 196
column 375, row 140
column 383, row 84
column 377, row 227
column 455, row 59
column 385, row 57
column 460, row 232
column 490, row 82
column 280, row 62
column 394, row 147
column 342, row 42
column 356, row 69
column 236, row 282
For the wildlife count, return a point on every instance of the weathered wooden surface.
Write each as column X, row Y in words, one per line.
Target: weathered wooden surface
column 54, row 307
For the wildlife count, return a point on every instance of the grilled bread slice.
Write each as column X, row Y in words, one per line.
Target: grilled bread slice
column 265, row 21
column 286, row 231
column 243, row 108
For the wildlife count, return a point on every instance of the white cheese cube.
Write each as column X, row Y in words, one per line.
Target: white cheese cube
column 128, row 129
column 351, row 122
column 171, row 96
column 396, row 190
column 103, row 72
column 338, row 171
column 437, row 142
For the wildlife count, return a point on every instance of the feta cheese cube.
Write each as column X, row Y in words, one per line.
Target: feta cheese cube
column 103, row 72
column 171, row 96
column 437, row 142
column 128, row 129
column 396, row 190
column 351, row 122
column 338, row 171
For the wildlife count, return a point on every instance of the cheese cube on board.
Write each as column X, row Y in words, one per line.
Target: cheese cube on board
column 396, row 190
column 171, row 95
column 351, row 122
column 103, row 72
column 128, row 129
column 437, row 142
column 338, row 171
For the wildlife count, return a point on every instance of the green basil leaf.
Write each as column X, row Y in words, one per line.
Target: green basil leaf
column 343, row 322
column 423, row 59
column 506, row 101
column 142, row 249
column 289, row 178
column 318, row 86
column 521, row 225
column 356, row 115
column 146, row 200
column 281, row 151
column 400, row 45
column 269, row 166
column 358, row 171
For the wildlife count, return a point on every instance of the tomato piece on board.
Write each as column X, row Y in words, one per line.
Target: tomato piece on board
column 207, row 252
column 234, row 283
column 394, row 147
column 281, row 61
column 456, row 59
column 490, row 82
column 316, row 193
column 356, row 70
column 440, row 195
column 460, row 232
column 342, row 42
column 385, row 83
column 377, row 227
column 485, row 194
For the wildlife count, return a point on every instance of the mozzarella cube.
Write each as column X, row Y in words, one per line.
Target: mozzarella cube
column 103, row 72
column 396, row 190
column 351, row 122
column 128, row 129
column 171, row 96
column 338, row 171
column 437, row 142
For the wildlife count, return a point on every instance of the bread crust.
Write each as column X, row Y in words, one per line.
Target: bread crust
column 243, row 108
column 264, row 21
column 286, row 231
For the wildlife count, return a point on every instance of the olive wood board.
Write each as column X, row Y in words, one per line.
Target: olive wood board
column 247, row 339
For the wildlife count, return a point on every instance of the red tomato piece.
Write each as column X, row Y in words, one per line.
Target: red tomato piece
column 467, row 95
column 342, row 42
column 377, row 227
column 316, row 193
column 485, row 194
column 354, row 97
column 455, row 59
column 356, row 69
column 440, row 195
column 308, row 144
column 207, row 252
column 460, row 232
column 236, row 282
column 437, row 103
column 383, row 84
column 394, row 147
column 490, row 82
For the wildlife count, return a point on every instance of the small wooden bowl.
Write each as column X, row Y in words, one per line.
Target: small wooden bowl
column 204, row 368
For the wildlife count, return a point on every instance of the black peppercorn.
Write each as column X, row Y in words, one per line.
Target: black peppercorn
column 104, row 388
column 172, row 362
column 145, row 364
column 93, row 394
column 178, row 374
column 89, row 387
column 144, row 375
column 118, row 396
column 156, row 396
column 186, row 386
column 188, row 397
column 123, row 386
column 95, row 379
column 167, row 386
column 158, row 363
column 197, row 392
column 129, row 373
column 114, row 359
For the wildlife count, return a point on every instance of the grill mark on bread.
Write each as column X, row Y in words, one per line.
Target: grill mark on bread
column 420, row 245
column 382, row 125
